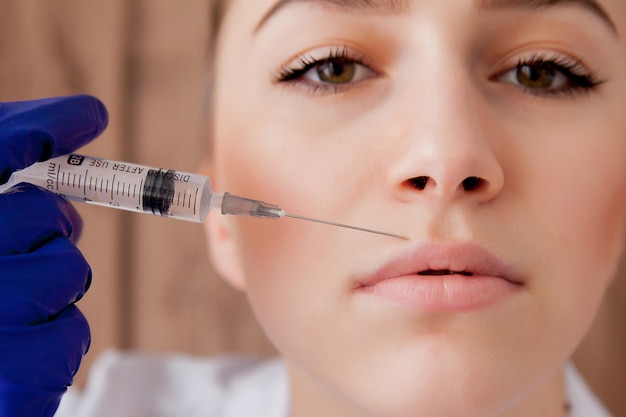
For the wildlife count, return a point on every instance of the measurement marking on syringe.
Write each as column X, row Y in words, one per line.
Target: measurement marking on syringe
column 85, row 183
column 195, row 201
column 58, row 172
column 139, row 195
column 112, row 186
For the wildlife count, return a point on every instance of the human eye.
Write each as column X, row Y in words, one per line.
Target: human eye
column 550, row 76
column 331, row 71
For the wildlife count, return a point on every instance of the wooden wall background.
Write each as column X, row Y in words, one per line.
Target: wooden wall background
column 153, row 287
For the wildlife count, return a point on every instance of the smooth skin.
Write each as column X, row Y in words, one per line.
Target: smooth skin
column 494, row 124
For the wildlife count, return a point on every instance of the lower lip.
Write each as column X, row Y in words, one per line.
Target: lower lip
column 442, row 293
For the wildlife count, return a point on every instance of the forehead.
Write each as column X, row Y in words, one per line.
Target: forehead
column 266, row 8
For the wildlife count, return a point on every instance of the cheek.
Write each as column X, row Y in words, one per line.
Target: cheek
column 588, row 197
column 575, row 195
column 285, row 261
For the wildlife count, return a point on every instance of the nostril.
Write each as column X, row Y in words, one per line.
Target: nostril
column 419, row 182
column 472, row 183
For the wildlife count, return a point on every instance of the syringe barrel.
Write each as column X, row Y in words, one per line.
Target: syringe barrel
column 122, row 185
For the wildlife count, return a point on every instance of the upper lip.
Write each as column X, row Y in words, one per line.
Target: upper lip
column 468, row 259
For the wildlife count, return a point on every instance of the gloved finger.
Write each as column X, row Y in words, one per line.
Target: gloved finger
column 30, row 216
column 26, row 401
column 32, row 131
column 35, row 287
column 45, row 356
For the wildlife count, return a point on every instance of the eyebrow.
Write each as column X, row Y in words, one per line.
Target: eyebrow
column 395, row 6
column 401, row 6
column 590, row 5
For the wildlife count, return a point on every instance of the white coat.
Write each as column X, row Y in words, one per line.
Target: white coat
column 139, row 385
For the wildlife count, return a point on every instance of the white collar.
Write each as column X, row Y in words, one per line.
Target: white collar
column 583, row 401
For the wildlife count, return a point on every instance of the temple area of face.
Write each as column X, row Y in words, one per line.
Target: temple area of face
column 403, row 6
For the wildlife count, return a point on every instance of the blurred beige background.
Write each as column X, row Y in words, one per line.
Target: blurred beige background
column 153, row 287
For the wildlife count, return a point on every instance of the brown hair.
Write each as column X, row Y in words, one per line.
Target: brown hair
column 217, row 11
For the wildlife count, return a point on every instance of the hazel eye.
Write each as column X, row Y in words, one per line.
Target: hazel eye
column 334, row 73
column 542, row 77
column 536, row 77
column 550, row 76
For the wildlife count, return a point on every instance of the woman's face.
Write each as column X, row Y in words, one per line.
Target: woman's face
column 490, row 133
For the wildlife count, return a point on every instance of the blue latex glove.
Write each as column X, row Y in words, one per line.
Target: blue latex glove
column 43, row 336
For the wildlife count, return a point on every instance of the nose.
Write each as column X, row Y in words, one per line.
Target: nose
column 446, row 149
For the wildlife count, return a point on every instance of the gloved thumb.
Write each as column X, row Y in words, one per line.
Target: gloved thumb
column 35, row 130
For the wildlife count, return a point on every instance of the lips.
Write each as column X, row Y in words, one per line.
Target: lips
column 444, row 272
column 442, row 277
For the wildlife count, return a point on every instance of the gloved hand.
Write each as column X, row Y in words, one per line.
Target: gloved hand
column 43, row 336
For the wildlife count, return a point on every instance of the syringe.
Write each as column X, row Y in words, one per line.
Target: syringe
column 139, row 188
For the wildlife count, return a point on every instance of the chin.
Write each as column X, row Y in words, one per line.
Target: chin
column 439, row 387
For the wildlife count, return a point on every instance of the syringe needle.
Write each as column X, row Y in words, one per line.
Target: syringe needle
column 140, row 188
column 295, row 216
column 233, row 204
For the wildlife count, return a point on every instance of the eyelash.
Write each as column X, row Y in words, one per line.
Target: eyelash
column 293, row 73
column 579, row 79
